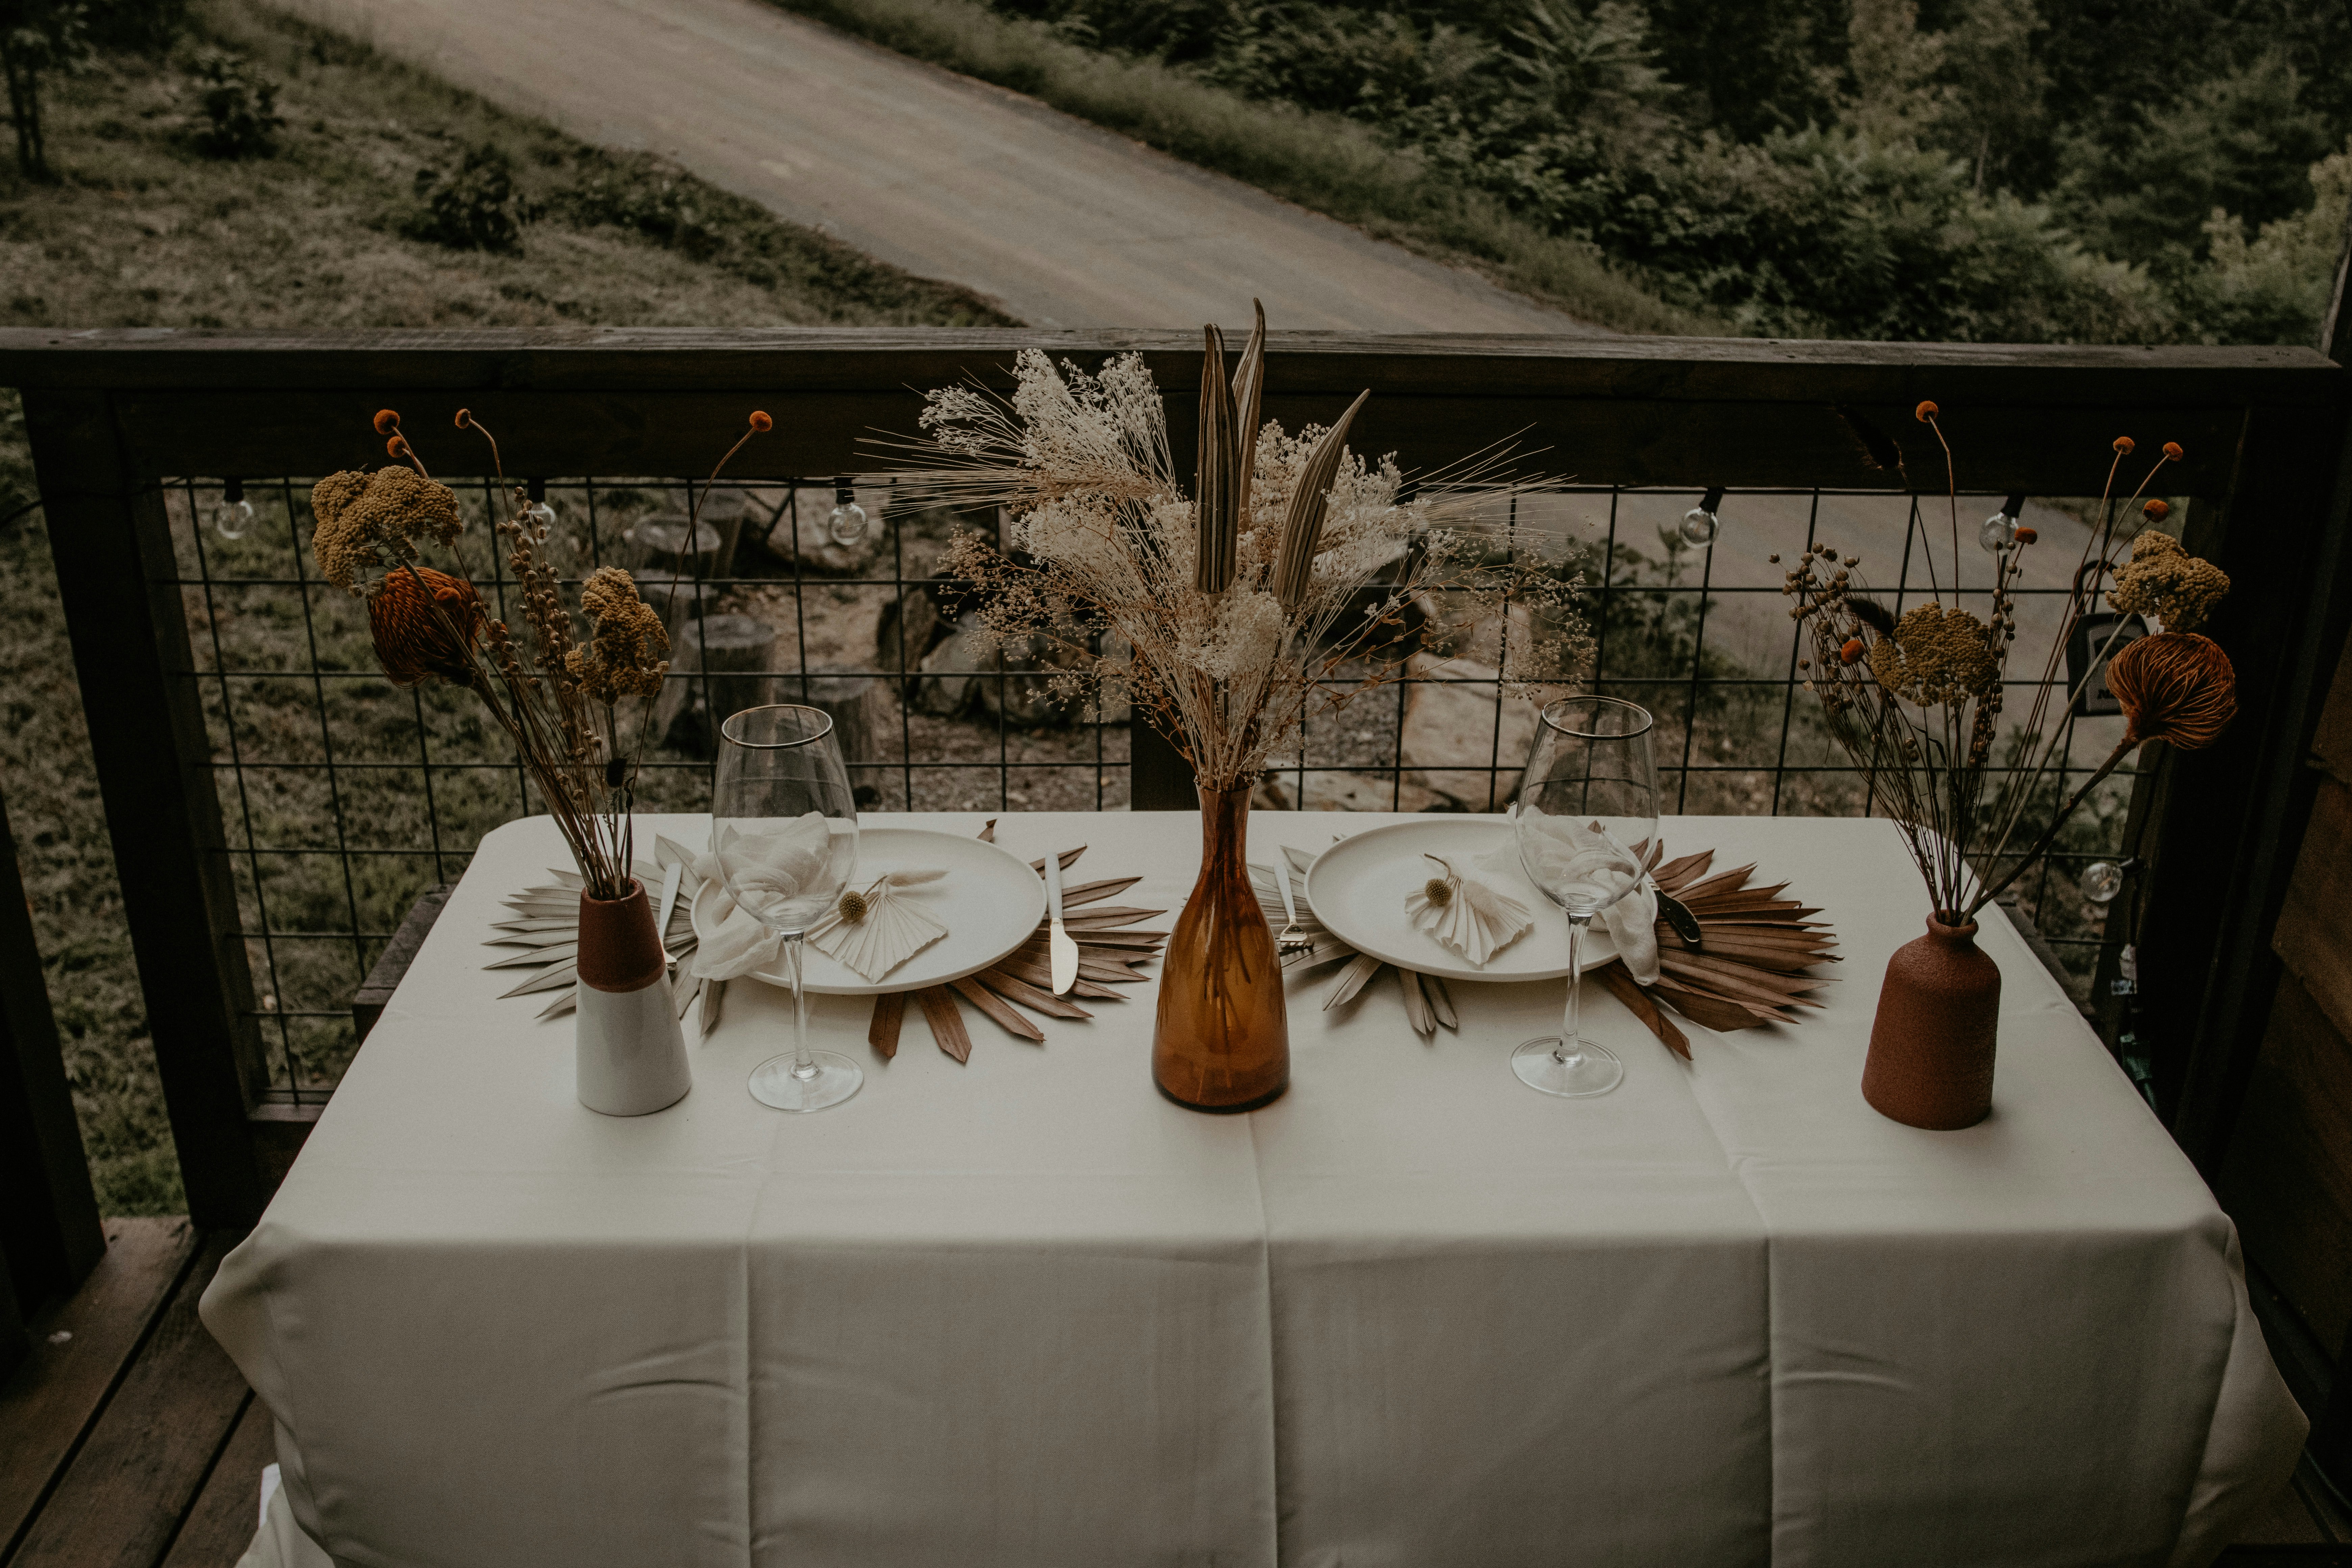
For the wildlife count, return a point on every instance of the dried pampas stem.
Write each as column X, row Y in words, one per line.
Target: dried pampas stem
column 1249, row 394
column 1302, row 528
column 1216, row 479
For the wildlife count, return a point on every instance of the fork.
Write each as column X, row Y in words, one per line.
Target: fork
column 1291, row 940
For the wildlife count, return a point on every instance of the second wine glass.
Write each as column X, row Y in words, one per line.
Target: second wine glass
column 783, row 827
column 1587, row 820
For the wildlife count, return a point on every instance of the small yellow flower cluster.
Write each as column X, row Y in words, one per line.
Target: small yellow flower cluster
column 1937, row 656
column 626, row 654
column 2165, row 581
column 369, row 523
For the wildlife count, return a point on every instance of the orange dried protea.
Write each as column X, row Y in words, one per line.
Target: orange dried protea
column 2174, row 686
column 413, row 642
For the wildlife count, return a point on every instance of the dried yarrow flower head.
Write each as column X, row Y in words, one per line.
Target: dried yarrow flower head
column 369, row 523
column 553, row 697
column 626, row 654
column 2176, row 686
column 420, row 637
column 1936, row 654
column 2164, row 581
column 1918, row 701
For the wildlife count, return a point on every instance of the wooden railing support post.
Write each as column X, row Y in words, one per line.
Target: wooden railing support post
column 1159, row 778
column 50, row 1233
column 116, row 572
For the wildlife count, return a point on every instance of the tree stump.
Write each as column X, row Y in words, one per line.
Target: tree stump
column 848, row 700
column 660, row 545
column 679, row 600
column 862, row 716
column 717, row 669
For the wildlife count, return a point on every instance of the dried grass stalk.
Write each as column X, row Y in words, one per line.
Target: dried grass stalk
column 1279, row 584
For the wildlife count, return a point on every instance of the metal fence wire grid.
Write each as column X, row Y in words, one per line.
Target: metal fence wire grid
column 345, row 797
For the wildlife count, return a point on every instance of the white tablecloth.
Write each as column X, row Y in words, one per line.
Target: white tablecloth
column 1027, row 1312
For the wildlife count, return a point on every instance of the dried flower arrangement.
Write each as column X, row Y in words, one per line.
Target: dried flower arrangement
column 559, row 697
column 1917, row 702
column 1227, row 613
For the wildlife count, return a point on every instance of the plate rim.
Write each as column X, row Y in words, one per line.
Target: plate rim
column 1461, row 970
column 888, row 987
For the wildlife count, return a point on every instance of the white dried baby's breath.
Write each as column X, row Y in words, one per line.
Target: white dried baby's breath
column 1105, row 538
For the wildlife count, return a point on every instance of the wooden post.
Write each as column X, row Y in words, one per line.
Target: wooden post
column 1160, row 779
column 2233, row 814
column 50, row 1233
column 116, row 575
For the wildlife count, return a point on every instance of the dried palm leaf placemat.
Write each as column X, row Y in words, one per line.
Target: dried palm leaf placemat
column 1110, row 953
column 543, row 925
column 1748, row 967
column 1427, row 1003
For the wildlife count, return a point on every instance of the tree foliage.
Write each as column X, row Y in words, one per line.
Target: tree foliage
column 2031, row 170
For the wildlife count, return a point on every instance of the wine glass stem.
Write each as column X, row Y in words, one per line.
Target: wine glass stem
column 1572, row 1044
column 803, row 1063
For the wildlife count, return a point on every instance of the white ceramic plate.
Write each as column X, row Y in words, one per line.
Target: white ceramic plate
column 1359, row 886
column 990, row 900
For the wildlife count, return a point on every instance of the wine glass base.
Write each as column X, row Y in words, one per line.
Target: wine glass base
column 837, row 1079
column 1595, row 1072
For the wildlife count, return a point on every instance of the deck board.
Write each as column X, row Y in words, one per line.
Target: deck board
column 50, row 1401
column 147, row 1457
column 221, row 1525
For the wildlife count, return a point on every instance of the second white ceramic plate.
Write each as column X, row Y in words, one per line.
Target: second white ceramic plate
column 990, row 900
column 1358, row 887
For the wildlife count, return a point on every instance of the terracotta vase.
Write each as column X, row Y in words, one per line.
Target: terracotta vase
column 1223, row 1039
column 629, row 1051
column 1931, row 1047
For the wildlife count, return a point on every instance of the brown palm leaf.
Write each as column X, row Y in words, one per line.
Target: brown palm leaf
column 1749, row 967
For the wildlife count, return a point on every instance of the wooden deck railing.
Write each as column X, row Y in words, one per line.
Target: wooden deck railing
column 113, row 416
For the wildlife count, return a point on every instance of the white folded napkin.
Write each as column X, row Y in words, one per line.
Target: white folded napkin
column 774, row 861
column 1571, row 850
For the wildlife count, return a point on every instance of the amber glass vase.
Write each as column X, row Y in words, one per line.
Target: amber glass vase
column 1223, row 1041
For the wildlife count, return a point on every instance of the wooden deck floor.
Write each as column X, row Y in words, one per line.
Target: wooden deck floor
column 129, row 1440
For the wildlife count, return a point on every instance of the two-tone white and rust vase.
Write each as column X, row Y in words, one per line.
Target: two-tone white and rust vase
column 629, row 1049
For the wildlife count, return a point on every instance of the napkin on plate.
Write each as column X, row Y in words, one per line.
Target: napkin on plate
column 877, row 928
column 1571, row 850
column 781, row 858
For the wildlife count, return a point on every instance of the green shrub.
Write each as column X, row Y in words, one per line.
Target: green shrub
column 471, row 206
column 234, row 114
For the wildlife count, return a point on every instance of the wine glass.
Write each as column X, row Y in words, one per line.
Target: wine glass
column 783, row 827
column 1587, row 820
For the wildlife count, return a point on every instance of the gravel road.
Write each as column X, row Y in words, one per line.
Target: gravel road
column 1063, row 224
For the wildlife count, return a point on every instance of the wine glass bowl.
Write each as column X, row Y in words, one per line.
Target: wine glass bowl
column 783, row 828
column 1587, row 823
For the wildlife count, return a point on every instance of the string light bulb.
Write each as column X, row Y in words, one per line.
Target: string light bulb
column 2102, row 881
column 1999, row 530
column 539, row 514
column 233, row 515
column 1701, row 523
column 846, row 525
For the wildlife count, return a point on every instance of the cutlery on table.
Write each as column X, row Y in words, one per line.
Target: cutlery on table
column 1062, row 950
column 1292, row 939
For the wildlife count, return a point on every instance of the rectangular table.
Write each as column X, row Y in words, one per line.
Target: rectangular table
column 1027, row 1312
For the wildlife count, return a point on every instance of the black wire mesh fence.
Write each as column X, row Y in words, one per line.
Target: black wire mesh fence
column 344, row 797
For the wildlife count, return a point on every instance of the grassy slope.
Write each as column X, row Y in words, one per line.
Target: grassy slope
column 1319, row 161
column 141, row 232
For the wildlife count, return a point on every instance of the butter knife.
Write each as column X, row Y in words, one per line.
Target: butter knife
column 675, row 875
column 1059, row 947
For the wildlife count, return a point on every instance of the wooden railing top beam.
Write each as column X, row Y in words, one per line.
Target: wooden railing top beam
column 890, row 360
